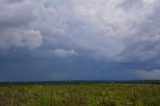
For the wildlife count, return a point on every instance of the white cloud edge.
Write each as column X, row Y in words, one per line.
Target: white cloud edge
column 63, row 53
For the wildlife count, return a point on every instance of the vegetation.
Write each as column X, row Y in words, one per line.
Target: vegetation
column 80, row 94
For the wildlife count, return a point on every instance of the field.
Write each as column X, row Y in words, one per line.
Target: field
column 98, row 94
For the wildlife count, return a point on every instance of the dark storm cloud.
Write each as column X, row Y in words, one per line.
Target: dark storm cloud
column 114, row 31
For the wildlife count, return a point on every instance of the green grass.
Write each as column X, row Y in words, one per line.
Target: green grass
column 80, row 95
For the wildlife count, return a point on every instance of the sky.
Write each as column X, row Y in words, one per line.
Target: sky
column 60, row 40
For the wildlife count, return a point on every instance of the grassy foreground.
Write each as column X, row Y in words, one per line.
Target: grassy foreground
column 80, row 95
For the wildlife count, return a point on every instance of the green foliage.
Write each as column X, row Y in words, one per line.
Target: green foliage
column 80, row 95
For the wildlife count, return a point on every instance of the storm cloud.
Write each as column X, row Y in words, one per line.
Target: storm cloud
column 114, row 31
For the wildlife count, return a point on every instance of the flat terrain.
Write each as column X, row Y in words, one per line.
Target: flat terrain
column 101, row 94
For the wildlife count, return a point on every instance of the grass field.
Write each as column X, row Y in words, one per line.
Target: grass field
column 79, row 95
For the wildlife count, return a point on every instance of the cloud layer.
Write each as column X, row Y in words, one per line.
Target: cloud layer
column 117, row 31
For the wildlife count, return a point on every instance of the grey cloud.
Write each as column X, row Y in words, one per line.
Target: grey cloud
column 103, row 29
column 16, row 29
column 79, row 39
column 21, row 14
column 130, row 4
column 144, row 74
column 20, row 38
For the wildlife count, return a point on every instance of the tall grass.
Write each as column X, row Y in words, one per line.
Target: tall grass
column 80, row 95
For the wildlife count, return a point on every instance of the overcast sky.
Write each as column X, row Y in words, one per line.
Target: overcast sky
column 79, row 40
